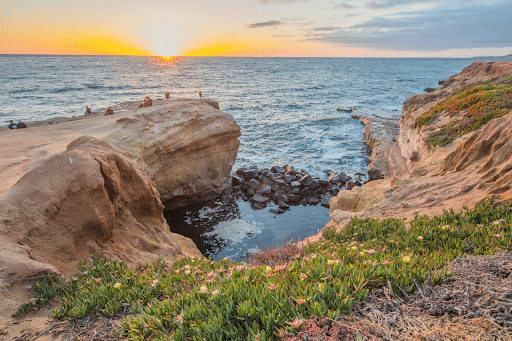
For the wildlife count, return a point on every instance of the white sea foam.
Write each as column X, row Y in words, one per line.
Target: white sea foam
column 234, row 230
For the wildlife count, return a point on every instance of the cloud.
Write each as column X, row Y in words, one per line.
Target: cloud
column 329, row 28
column 444, row 28
column 375, row 5
column 265, row 24
column 343, row 5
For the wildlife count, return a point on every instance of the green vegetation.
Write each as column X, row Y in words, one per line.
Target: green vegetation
column 481, row 104
column 196, row 299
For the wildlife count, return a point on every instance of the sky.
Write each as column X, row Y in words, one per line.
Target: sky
column 280, row 28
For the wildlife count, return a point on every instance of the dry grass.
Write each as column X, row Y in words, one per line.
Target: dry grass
column 474, row 304
column 276, row 255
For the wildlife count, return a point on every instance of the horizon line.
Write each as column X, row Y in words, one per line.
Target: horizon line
column 138, row 55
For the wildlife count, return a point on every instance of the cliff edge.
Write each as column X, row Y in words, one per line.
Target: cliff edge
column 453, row 150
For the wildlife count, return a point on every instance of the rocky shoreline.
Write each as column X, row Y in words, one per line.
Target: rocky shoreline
column 285, row 186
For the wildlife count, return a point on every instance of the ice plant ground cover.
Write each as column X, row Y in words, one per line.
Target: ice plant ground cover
column 480, row 103
column 196, row 299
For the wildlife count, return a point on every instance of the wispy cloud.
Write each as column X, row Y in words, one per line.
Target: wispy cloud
column 265, row 24
column 375, row 5
column 444, row 28
column 344, row 5
column 329, row 28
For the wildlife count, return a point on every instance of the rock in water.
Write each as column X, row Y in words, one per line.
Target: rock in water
column 187, row 147
column 88, row 199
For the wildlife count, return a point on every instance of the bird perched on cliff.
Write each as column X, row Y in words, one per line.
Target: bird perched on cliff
column 167, row 95
column 109, row 111
column 200, row 94
column 87, row 110
column 21, row 125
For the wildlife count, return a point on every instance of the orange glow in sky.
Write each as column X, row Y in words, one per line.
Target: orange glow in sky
column 320, row 28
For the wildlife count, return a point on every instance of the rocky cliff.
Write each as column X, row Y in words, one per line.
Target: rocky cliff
column 453, row 150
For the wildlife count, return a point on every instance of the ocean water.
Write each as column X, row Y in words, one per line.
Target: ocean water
column 285, row 107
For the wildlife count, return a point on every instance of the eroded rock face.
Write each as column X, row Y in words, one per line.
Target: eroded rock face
column 187, row 147
column 88, row 199
column 411, row 152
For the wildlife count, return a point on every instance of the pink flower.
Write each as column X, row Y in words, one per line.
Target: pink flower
column 297, row 323
column 179, row 318
column 371, row 251
column 272, row 287
column 303, row 276
column 385, row 262
column 240, row 267
column 155, row 283
column 497, row 235
column 301, row 301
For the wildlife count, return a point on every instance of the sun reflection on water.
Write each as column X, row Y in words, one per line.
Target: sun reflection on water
column 169, row 61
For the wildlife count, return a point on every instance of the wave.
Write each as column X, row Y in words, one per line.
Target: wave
column 61, row 90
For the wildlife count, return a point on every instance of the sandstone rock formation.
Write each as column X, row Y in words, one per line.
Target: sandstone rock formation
column 426, row 179
column 187, row 147
column 88, row 199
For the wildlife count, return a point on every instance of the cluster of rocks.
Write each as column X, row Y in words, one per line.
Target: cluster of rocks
column 285, row 186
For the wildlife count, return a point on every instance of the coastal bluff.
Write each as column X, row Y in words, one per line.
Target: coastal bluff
column 448, row 154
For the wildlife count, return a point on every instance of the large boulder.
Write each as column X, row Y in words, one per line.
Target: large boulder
column 88, row 199
column 186, row 147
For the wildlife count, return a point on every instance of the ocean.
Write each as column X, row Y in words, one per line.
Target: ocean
column 286, row 109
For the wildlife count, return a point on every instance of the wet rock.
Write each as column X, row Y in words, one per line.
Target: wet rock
column 339, row 177
column 323, row 183
column 260, row 199
column 255, row 206
column 280, row 182
column 314, row 185
column 291, row 170
column 287, row 178
column 295, row 184
column 250, row 192
column 353, row 183
column 313, row 201
column 240, row 171
column 275, row 188
column 324, row 202
column 268, row 182
column 283, row 205
column 278, row 169
column 295, row 191
column 250, row 174
column 265, row 189
column 306, row 180
column 303, row 202
column 237, row 181
column 307, row 193
column 293, row 197
column 254, row 184
column 275, row 211
column 283, row 198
